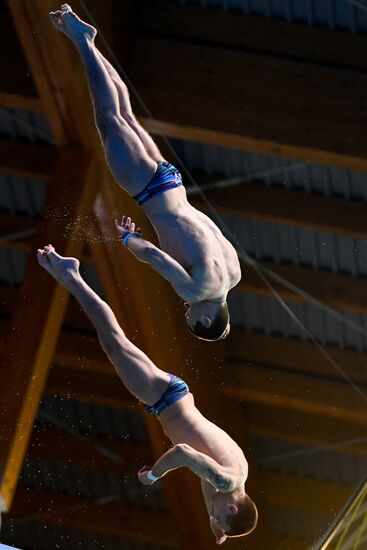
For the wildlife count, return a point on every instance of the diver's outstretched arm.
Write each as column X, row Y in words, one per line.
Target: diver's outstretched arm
column 163, row 263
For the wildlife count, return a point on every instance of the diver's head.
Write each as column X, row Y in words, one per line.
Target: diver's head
column 232, row 515
column 208, row 320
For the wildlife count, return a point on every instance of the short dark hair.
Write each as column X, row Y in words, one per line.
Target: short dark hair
column 244, row 521
column 216, row 329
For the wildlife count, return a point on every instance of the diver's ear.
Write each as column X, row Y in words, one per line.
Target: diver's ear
column 207, row 322
column 233, row 509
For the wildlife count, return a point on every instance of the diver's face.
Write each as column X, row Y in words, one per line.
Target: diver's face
column 197, row 313
column 219, row 534
column 219, row 511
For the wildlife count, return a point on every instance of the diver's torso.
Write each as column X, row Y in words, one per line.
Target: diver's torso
column 193, row 240
column 184, row 423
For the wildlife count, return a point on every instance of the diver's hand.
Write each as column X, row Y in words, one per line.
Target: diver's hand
column 143, row 475
column 218, row 532
column 127, row 226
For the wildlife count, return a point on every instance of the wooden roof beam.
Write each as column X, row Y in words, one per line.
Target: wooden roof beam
column 39, row 311
column 345, row 292
column 294, row 355
column 293, row 207
column 17, row 88
column 75, row 319
column 305, row 429
column 82, row 371
column 260, row 202
column 293, row 391
column 36, row 49
column 258, row 103
column 266, row 36
column 57, row 72
column 18, row 101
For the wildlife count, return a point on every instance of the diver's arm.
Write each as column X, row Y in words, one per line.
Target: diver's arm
column 164, row 264
column 182, row 455
column 171, row 460
column 206, row 468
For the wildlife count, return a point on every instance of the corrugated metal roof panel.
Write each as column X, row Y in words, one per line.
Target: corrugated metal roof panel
column 82, row 415
column 299, row 246
column 328, row 465
column 226, row 163
column 23, row 125
column 12, row 266
column 22, row 195
column 330, row 13
column 265, row 314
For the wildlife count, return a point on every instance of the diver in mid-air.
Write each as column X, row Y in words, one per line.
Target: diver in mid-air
column 198, row 444
column 199, row 262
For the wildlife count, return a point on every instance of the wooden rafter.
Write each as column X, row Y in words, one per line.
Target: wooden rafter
column 41, row 303
column 39, row 311
column 294, row 355
column 78, row 354
column 270, row 37
column 280, row 205
column 17, row 101
column 268, row 110
column 345, row 292
column 17, row 86
column 36, row 50
column 304, row 429
column 283, row 389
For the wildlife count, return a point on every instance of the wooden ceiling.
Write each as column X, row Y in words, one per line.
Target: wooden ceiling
column 249, row 73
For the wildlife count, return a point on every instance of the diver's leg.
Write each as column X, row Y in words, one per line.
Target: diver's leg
column 127, row 112
column 125, row 153
column 141, row 377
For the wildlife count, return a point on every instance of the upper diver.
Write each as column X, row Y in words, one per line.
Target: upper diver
column 199, row 262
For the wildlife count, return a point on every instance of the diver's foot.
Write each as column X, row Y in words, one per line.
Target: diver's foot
column 64, row 270
column 66, row 21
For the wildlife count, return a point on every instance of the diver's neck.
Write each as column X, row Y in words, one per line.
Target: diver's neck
column 237, row 493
